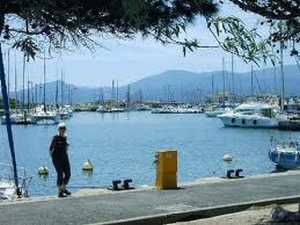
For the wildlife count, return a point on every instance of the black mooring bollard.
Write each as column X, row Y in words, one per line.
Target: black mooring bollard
column 115, row 185
column 237, row 173
column 229, row 173
column 126, row 184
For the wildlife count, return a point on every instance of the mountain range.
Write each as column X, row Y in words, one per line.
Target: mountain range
column 180, row 85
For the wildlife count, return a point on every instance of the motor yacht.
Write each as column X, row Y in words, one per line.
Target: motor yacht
column 252, row 115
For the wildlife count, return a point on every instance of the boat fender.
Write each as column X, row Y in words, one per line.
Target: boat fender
column 87, row 166
column 279, row 156
column 115, row 185
column 296, row 157
column 227, row 158
column 229, row 173
column 126, row 184
column 237, row 173
column 43, row 171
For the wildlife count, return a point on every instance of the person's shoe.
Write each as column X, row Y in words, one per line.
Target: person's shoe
column 62, row 195
column 67, row 192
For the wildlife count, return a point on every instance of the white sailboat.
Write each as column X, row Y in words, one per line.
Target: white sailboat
column 7, row 189
column 7, row 185
column 41, row 114
column 20, row 118
column 45, row 116
column 221, row 109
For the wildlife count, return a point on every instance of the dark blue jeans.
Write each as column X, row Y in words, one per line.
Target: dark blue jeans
column 63, row 169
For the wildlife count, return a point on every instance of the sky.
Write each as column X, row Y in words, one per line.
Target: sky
column 132, row 60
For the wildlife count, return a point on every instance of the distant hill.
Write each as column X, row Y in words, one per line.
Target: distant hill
column 186, row 86
column 180, row 85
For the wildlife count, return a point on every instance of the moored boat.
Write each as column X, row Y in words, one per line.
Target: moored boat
column 290, row 123
column 177, row 110
column 285, row 155
column 215, row 112
column 252, row 115
column 19, row 118
column 45, row 117
column 102, row 109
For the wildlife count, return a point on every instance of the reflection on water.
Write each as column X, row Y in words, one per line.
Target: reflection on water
column 123, row 145
column 87, row 173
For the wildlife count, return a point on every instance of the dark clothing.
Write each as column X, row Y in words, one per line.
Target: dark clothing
column 63, row 170
column 60, row 159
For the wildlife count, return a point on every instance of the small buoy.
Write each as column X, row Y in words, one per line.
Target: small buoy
column 227, row 158
column 43, row 171
column 87, row 166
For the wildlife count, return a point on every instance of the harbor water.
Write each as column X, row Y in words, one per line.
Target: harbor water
column 123, row 145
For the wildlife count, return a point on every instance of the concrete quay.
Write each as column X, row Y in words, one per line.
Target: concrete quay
column 204, row 198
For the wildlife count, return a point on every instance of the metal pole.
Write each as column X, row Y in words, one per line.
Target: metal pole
column 28, row 96
column 252, row 82
column 56, row 95
column 223, row 77
column 232, row 75
column 16, row 84
column 282, row 76
column 23, row 91
column 62, row 88
column 117, row 92
column 275, row 79
column 8, row 123
column 212, row 87
column 35, row 95
column 8, row 73
column 44, row 83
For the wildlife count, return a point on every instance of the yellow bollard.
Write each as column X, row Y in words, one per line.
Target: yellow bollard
column 166, row 169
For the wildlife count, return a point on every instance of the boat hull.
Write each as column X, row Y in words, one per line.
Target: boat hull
column 285, row 160
column 292, row 125
column 214, row 114
column 248, row 122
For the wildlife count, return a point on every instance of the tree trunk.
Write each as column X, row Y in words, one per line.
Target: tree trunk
column 7, row 113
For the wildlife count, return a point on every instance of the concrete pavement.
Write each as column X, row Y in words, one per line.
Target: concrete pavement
column 105, row 207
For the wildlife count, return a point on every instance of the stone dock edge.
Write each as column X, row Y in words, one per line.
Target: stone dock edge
column 201, row 213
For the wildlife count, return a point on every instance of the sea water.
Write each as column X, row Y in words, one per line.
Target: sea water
column 123, row 145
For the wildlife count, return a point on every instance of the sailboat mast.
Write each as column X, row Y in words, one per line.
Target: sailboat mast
column 28, row 94
column 8, row 73
column 56, row 94
column 213, row 86
column 35, row 94
column 101, row 99
column 282, row 76
column 232, row 75
column 117, row 92
column 252, row 81
column 223, row 78
column 23, row 86
column 69, row 94
column 16, row 84
column 113, row 90
column 128, row 96
column 32, row 92
column 44, row 94
column 275, row 79
column 62, row 88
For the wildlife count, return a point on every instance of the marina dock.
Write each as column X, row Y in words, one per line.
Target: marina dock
column 206, row 198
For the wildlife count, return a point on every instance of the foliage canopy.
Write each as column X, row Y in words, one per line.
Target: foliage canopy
column 34, row 25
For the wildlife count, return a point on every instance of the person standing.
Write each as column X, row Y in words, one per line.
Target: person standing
column 58, row 151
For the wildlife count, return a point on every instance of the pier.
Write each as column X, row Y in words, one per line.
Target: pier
column 204, row 198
